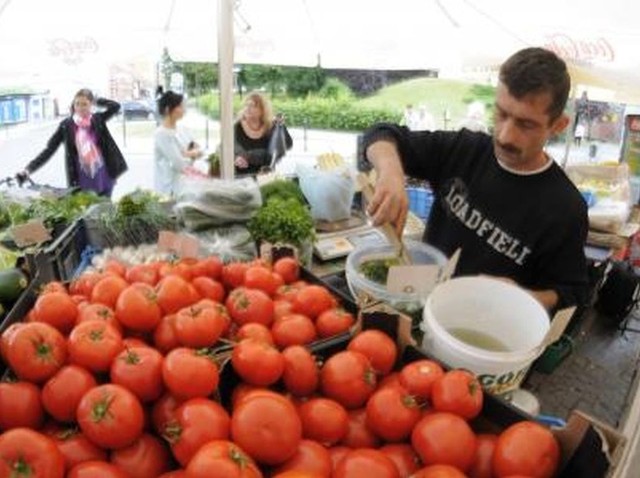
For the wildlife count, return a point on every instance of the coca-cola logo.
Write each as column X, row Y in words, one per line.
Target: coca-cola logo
column 72, row 52
column 569, row 48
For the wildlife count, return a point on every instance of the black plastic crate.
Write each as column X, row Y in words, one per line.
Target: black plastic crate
column 63, row 256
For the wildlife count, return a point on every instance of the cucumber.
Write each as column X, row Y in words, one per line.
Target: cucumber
column 12, row 283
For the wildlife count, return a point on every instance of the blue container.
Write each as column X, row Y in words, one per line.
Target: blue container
column 420, row 201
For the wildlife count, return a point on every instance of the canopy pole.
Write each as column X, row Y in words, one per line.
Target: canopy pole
column 225, row 85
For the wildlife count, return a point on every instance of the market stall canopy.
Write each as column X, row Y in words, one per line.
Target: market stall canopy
column 73, row 37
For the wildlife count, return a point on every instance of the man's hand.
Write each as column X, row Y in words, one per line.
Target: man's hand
column 390, row 202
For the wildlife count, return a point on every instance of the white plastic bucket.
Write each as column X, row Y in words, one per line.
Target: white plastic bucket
column 501, row 310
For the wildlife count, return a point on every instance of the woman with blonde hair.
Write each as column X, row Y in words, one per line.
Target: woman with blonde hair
column 260, row 138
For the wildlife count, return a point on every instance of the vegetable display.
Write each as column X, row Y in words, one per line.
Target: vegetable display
column 204, row 368
column 377, row 270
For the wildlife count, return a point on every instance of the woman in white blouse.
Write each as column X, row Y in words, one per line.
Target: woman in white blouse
column 174, row 148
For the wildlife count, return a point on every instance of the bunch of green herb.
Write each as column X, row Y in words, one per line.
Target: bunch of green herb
column 282, row 189
column 284, row 221
column 377, row 270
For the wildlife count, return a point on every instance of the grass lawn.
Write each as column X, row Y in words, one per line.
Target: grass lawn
column 435, row 94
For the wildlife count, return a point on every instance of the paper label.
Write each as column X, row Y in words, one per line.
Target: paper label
column 450, row 267
column 30, row 233
column 265, row 178
column 181, row 245
column 418, row 279
column 558, row 325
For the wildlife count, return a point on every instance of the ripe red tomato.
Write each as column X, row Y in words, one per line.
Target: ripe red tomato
column 164, row 337
column 36, row 351
column 359, row 435
column 337, row 453
column 107, row 290
column 188, row 373
column 267, row 427
column 144, row 458
column 209, row 288
column 143, row 273
column 99, row 312
column 233, row 274
column 175, row 474
column 459, row 392
column 137, row 308
column 222, row 459
column 526, row 448
column 209, row 267
column 311, row 458
column 62, row 392
column 392, row 413
column 348, row 378
column 20, row 406
column 288, row 268
column 483, row 463
column 198, row 326
column 175, row 293
column 84, row 284
column 378, row 347
column 257, row 362
column 74, row 446
column 110, row 416
column 163, row 412
column 139, row 370
column 313, row 300
column 444, row 438
column 293, row 329
column 334, row 322
column 418, row 377
column 301, row 375
column 96, row 469
column 255, row 331
column 323, row 420
column 115, row 267
column 392, row 381
column 366, row 462
column 180, row 269
column 93, row 345
column 22, row 449
column 196, row 422
column 57, row 309
column 250, row 305
column 439, row 471
column 6, row 337
column 287, row 293
column 259, row 277
column 403, row 456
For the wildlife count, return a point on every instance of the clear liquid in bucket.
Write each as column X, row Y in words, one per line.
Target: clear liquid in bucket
column 478, row 339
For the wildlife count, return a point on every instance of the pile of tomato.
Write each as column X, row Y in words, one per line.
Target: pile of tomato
column 118, row 376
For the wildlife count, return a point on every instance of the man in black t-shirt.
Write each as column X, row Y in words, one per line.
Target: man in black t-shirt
column 502, row 200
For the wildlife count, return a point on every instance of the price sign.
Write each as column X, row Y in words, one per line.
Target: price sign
column 30, row 233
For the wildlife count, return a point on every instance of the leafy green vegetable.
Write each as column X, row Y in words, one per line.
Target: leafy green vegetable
column 377, row 270
column 282, row 220
column 283, row 189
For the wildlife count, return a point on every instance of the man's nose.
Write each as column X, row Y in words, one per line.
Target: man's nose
column 507, row 133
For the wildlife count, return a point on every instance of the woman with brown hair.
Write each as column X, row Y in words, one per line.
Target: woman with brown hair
column 93, row 160
column 259, row 137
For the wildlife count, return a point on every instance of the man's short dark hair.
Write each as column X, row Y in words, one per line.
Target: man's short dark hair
column 535, row 71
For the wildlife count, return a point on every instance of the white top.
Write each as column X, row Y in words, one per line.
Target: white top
column 169, row 146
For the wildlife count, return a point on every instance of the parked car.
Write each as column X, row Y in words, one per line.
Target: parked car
column 138, row 110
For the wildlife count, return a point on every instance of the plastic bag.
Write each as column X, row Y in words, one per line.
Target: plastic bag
column 330, row 193
column 607, row 185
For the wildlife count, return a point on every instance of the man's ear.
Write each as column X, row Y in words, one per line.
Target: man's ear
column 560, row 124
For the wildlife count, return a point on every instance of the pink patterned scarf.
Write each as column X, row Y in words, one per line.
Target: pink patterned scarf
column 88, row 152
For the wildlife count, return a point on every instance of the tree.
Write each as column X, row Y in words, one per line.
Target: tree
column 167, row 67
column 199, row 77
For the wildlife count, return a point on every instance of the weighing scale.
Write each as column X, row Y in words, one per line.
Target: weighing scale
column 337, row 239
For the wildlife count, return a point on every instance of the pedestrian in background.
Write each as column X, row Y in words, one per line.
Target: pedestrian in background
column 174, row 148
column 260, row 138
column 93, row 160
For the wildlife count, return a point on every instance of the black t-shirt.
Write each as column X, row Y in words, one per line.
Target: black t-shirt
column 529, row 227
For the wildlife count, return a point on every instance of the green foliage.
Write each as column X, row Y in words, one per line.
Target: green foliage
column 284, row 221
column 295, row 81
column 167, row 66
column 199, row 77
column 283, row 189
column 336, row 89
